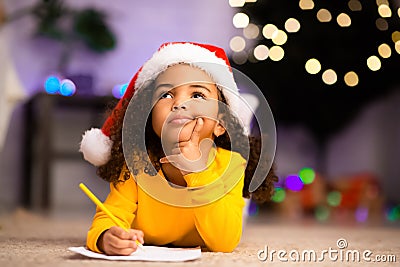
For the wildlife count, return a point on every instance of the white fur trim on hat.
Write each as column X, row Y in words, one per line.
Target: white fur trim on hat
column 193, row 55
column 96, row 147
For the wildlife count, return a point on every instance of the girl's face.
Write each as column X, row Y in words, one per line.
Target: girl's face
column 183, row 94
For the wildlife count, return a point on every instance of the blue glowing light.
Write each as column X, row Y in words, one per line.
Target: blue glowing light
column 119, row 90
column 293, row 182
column 68, row 87
column 123, row 89
column 52, row 85
column 253, row 208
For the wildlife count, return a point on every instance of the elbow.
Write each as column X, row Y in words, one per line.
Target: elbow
column 225, row 246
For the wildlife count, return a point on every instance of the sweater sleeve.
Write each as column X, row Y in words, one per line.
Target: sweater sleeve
column 219, row 223
column 121, row 202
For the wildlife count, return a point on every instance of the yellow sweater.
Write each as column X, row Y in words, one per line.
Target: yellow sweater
column 216, row 225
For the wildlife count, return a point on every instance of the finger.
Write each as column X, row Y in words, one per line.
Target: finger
column 195, row 137
column 127, row 251
column 176, row 151
column 169, row 159
column 122, row 251
column 118, row 243
column 120, row 232
column 139, row 235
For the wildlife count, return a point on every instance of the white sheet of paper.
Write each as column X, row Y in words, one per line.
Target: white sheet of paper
column 150, row 253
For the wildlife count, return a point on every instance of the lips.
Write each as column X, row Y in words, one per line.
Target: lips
column 180, row 119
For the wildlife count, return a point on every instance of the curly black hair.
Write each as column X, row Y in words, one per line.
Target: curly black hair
column 145, row 156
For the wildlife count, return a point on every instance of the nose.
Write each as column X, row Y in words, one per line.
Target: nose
column 179, row 106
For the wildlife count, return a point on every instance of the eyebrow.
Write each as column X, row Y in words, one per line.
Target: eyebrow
column 200, row 86
column 195, row 85
column 164, row 85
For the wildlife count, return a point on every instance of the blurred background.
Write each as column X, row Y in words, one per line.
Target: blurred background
column 329, row 70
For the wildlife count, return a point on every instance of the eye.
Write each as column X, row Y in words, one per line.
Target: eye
column 198, row 95
column 166, row 95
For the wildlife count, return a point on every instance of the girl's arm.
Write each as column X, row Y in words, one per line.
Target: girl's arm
column 220, row 222
column 121, row 202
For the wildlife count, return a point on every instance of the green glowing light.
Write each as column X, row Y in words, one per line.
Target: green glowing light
column 307, row 175
column 394, row 214
column 334, row 198
column 279, row 195
column 322, row 213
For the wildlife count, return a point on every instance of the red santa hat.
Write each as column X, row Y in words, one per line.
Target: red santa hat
column 96, row 143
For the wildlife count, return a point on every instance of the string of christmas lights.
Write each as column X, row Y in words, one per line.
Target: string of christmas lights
column 243, row 50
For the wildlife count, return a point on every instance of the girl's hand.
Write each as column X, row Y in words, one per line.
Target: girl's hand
column 191, row 155
column 117, row 241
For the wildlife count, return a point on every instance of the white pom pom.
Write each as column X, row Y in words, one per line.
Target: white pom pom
column 96, row 147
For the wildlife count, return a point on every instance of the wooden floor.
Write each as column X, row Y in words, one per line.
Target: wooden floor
column 28, row 239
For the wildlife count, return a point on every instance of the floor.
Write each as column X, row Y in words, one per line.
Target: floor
column 29, row 239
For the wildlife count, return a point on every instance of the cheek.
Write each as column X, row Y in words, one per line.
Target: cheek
column 208, row 109
column 157, row 121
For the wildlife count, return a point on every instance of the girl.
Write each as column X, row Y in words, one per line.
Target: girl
column 185, row 185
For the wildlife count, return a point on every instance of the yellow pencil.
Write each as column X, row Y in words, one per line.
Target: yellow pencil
column 103, row 208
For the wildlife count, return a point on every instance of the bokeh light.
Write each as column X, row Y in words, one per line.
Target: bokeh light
column 261, row 52
column 384, row 11
column 381, row 24
column 276, row 53
column 355, row 5
column 361, row 214
column 334, row 198
column 237, row 43
column 253, row 209
column 292, row 25
column 251, row 31
column 306, row 4
column 329, row 77
column 240, row 20
column 313, row 66
column 279, row 195
column 384, row 50
column 397, row 47
column 343, row 20
column 322, row 213
column 395, row 36
column 269, row 31
column 374, row 63
column 237, row 3
column 307, row 175
column 393, row 213
column 323, row 15
column 250, row 57
column 279, row 38
column 119, row 90
column 382, row 2
column 52, row 84
column 67, row 88
column 240, row 57
column 351, row 78
column 293, row 182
